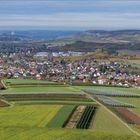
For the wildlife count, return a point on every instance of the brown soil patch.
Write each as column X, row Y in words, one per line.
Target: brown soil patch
column 3, row 104
column 75, row 117
column 128, row 116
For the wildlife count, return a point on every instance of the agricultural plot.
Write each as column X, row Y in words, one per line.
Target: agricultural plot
column 28, row 116
column 39, row 88
column 128, row 116
column 30, row 120
column 59, row 119
column 108, row 101
column 26, row 81
column 37, row 133
column 109, row 92
column 134, row 101
column 105, row 122
column 45, row 96
column 54, row 102
column 86, row 118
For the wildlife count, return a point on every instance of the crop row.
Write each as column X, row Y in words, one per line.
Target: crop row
column 17, row 97
column 108, row 92
column 86, row 117
column 128, row 116
column 111, row 102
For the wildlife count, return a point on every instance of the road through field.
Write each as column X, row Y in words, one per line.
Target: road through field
column 109, row 111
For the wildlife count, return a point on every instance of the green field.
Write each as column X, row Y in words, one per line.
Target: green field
column 29, row 116
column 63, row 88
column 46, row 88
column 39, row 89
column 134, row 63
column 28, row 81
column 61, row 116
column 67, row 102
column 36, row 133
column 104, row 121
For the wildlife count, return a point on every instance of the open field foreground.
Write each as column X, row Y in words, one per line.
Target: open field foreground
column 34, row 133
column 36, row 122
column 50, row 112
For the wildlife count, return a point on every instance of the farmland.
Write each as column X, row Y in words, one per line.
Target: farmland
column 43, row 112
column 86, row 117
column 111, row 102
column 134, row 101
column 128, row 116
column 61, row 116
column 29, row 116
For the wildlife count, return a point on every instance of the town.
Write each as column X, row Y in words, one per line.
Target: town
column 46, row 66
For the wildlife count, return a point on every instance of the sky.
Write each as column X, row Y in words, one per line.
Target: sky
column 70, row 14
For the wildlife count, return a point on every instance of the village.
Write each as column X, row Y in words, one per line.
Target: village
column 87, row 71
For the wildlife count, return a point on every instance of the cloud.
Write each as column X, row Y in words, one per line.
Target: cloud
column 77, row 20
column 101, row 14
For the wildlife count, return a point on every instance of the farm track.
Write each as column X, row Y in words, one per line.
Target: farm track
column 112, row 113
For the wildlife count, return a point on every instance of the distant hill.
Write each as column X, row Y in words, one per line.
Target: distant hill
column 39, row 34
column 86, row 41
column 99, row 39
